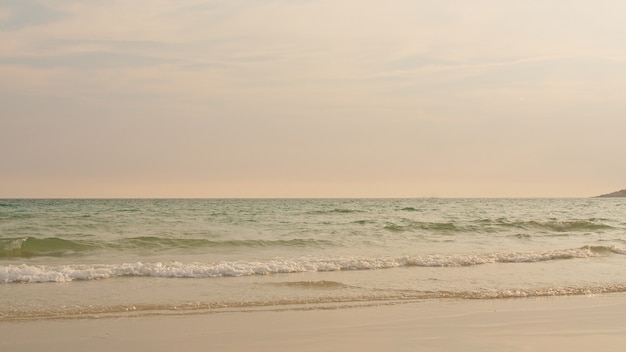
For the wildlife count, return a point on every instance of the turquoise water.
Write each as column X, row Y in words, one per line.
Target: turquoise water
column 141, row 256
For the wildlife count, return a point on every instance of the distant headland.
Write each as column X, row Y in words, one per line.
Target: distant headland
column 621, row 193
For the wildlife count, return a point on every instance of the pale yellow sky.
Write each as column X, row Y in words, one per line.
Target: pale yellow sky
column 304, row 98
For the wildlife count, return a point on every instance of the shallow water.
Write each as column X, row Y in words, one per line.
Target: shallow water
column 89, row 257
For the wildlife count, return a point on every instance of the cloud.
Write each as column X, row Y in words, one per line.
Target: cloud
column 90, row 60
column 309, row 89
column 27, row 13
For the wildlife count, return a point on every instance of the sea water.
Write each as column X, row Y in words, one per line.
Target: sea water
column 82, row 257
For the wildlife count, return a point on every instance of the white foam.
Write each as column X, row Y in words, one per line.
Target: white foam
column 33, row 273
column 618, row 250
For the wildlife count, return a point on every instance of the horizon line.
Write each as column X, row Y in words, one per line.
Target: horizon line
column 296, row 198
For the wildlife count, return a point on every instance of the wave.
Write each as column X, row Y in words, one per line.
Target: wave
column 186, row 243
column 28, row 247
column 336, row 211
column 497, row 225
column 33, row 247
column 523, row 293
column 607, row 249
column 557, row 225
column 363, row 222
column 39, row 274
column 392, row 297
column 322, row 284
column 432, row 226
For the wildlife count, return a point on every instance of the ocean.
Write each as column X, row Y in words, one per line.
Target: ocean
column 71, row 258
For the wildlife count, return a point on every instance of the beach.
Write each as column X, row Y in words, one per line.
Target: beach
column 312, row 275
column 203, row 175
column 565, row 323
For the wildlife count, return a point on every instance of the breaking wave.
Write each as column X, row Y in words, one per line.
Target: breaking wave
column 39, row 273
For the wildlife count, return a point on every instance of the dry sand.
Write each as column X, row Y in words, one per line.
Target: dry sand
column 575, row 323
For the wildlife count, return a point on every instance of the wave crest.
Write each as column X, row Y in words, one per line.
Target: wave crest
column 37, row 274
column 33, row 247
column 28, row 247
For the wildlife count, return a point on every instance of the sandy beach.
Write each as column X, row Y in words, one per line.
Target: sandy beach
column 574, row 323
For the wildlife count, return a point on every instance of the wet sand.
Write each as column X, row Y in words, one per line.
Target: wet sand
column 574, row 323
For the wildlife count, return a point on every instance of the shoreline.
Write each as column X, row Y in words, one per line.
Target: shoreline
column 573, row 323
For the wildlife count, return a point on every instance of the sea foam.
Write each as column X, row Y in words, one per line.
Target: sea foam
column 37, row 274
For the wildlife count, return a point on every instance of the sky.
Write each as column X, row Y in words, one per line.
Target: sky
column 306, row 98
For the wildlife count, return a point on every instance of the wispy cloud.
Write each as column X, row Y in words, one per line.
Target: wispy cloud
column 81, row 61
column 26, row 13
column 273, row 87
